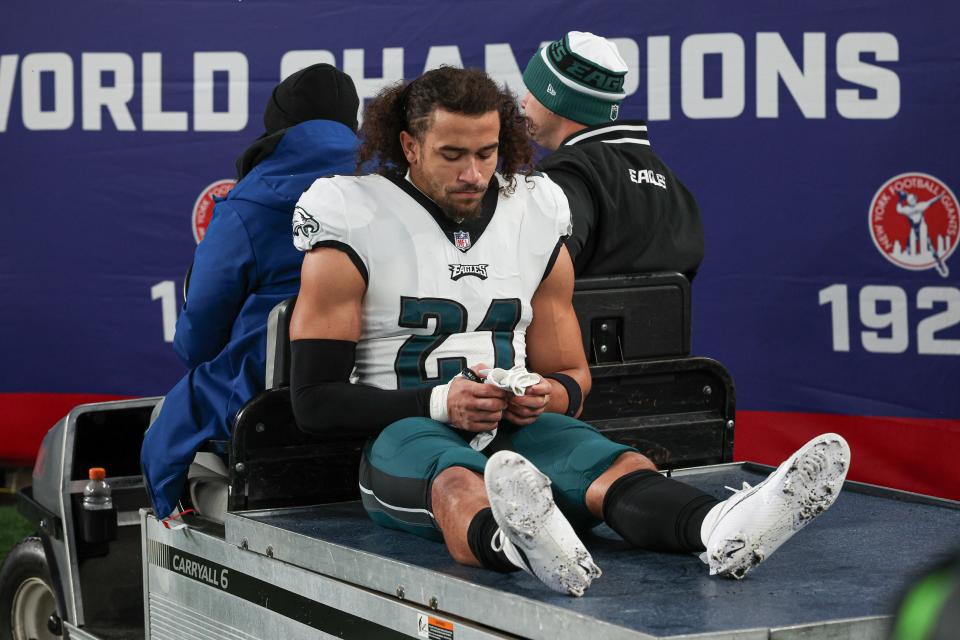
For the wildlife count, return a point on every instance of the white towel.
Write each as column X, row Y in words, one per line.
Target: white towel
column 516, row 381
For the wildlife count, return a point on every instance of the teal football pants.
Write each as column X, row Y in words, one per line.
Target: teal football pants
column 399, row 467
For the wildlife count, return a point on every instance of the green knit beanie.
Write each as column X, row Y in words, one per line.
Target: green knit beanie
column 579, row 77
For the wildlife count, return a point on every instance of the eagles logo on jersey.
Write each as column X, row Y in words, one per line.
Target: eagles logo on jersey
column 303, row 223
column 424, row 319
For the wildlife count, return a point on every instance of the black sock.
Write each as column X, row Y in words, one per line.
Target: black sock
column 480, row 537
column 657, row 513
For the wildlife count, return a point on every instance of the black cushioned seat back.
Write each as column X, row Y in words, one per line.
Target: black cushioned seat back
column 628, row 318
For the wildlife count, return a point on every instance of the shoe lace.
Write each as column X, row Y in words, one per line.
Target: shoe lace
column 746, row 487
column 496, row 543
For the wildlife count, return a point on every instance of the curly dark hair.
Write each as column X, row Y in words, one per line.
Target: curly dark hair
column 408, row 107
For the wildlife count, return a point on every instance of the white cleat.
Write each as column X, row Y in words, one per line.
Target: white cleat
column 534, row 535
column 747, row 527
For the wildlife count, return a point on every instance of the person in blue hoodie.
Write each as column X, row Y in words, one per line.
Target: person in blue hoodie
column 245, row 265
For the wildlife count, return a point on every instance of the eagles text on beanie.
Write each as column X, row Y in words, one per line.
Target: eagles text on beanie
column 579, row 77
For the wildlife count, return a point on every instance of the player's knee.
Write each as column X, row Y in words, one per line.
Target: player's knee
column 631, row 461
column 454, row 485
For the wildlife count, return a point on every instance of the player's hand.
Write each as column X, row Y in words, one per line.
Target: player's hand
column 474, row 406
column 525, row 409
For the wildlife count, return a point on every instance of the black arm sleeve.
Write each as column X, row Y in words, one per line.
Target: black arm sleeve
column 582, row 209
column 325, row 401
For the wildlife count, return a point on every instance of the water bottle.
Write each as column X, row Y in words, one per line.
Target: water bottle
column 96, row 495
column 98, row 517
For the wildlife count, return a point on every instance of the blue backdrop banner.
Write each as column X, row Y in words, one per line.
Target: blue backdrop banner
column 820, row 140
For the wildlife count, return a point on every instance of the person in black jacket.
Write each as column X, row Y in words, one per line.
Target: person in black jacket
column 630, row 212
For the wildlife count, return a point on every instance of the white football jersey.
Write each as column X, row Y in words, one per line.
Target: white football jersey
column 440, row 296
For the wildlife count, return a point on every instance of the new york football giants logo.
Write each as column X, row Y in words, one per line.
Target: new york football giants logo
column 914, row 222
column 203, row 207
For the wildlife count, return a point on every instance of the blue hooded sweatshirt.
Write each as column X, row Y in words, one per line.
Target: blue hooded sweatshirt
column 245, row 265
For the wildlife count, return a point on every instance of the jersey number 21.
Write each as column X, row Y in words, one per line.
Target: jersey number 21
column 450, row 316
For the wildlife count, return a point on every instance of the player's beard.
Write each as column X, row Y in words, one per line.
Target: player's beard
column 458, row 211
column 446, row 199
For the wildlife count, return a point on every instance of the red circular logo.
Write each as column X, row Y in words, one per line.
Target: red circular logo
column 914, row 222
column 203, row 207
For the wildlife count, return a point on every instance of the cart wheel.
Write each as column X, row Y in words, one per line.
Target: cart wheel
column 28, row 607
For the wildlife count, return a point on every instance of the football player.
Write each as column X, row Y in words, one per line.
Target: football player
column 422, row 278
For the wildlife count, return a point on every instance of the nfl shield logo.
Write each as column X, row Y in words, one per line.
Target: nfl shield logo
column 461, row 240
